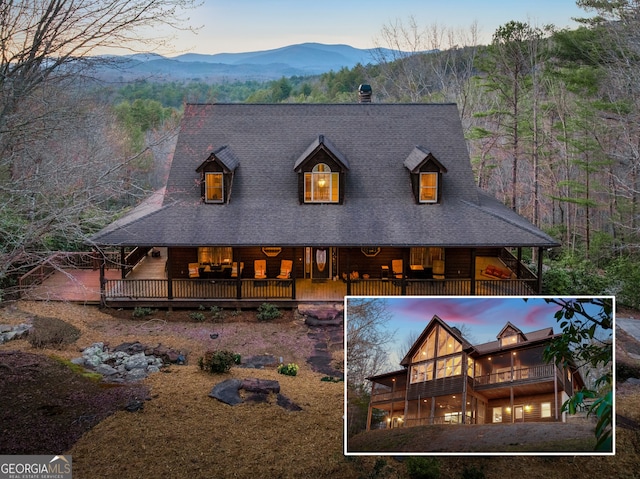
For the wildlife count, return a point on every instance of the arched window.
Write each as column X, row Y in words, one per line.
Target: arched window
column 321, row 185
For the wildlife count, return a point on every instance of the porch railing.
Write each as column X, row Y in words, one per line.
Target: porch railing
column 229, row 289
column 66, row 260
column 387, row 396
column 539, row 371
column 446, row 287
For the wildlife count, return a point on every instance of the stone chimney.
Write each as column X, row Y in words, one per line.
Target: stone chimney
column 364, row 93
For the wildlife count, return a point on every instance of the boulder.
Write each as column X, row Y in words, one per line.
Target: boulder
column 259, row 362
column 137, row 361
column 130, row 348
column 286, row 403
column 263, row 386
column 105, row 370
column 227, row 392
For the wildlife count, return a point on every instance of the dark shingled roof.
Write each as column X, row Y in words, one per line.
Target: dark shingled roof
column 264, row 143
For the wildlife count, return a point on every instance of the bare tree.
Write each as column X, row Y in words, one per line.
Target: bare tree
column 433, row 63
column 367, row 336
column 61, row 157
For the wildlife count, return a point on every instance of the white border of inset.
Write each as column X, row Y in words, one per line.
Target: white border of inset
column 394, row 453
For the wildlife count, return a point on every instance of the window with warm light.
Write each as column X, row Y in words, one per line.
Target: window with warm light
column 507, row 340
column 545, row 409
column 428, row 187
column 321, row 185
column 497, row 414
column 213, row 187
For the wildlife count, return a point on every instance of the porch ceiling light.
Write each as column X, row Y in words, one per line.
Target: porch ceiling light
column 322, row 182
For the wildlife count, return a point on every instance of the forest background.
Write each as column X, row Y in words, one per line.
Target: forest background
column 552, row 121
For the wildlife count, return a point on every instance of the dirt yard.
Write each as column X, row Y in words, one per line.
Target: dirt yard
column 181, row 432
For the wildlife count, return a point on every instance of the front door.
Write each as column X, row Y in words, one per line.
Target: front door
column 321, row 263
column 518, row 414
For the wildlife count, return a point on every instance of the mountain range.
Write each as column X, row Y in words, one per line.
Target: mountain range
column 293, row 60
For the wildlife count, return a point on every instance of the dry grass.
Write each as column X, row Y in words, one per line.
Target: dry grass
column 183, row 433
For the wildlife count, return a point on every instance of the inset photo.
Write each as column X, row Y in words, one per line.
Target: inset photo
column 479, row 375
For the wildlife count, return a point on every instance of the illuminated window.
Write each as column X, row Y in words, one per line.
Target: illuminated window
column 509, row 340
column 213, row 188
column 428, row 187
column 321, row 185
column 545, row 409
column 497, row 414
column 215, row 255
column 428, row 349
column 449, row 367
column 447, row 344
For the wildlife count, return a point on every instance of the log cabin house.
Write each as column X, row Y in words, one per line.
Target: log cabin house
column 446, row 380
column 294, row 202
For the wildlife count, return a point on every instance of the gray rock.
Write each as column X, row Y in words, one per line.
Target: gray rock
column 5, row 327
column 137, row 361
column 153, row 369
column 227, row 392
column 136, row 375
column 634, row 381
column 78, row 361
column 105, row 370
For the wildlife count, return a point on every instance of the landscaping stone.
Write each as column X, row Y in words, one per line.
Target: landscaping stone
column 287, row 404
column 322, row 314
column 9, row 333
column 263, row 386
column 128, row 362
column 227, row 392
column 259, row 362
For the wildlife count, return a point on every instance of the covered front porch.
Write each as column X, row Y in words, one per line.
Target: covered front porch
column 248, row 276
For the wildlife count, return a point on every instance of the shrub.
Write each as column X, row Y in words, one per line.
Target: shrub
column 52, row 332
column 420, row 467
column 140, row 312
column 197, row 316
column 268, row 312
column 216, row 314
column 290, row 369
column 217, row 362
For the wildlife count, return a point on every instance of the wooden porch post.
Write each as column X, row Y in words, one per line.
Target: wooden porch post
column 293, row 275
column 238, row 277
column 433, row 410
column 540, row 253
column 555, row 391
column 169, row 275
column 369, row 413
column 406, row 258
column 103, row 293
column 123, row 267
column 472, row 292
column 465, row 368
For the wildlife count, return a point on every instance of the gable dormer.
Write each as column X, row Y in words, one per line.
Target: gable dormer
column 216, row 175
column 426, row 175
column 321, row 173
column 510, row 335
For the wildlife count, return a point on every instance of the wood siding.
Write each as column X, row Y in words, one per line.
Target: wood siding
column 533, row 413
column 353, row 259
column 436, row 387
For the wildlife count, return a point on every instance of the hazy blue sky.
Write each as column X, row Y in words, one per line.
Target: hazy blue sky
column 254, row 25
column 484, row 317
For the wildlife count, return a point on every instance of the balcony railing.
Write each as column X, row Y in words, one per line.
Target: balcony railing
column 539, row 371
column 387, row 396
column 230, row 289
